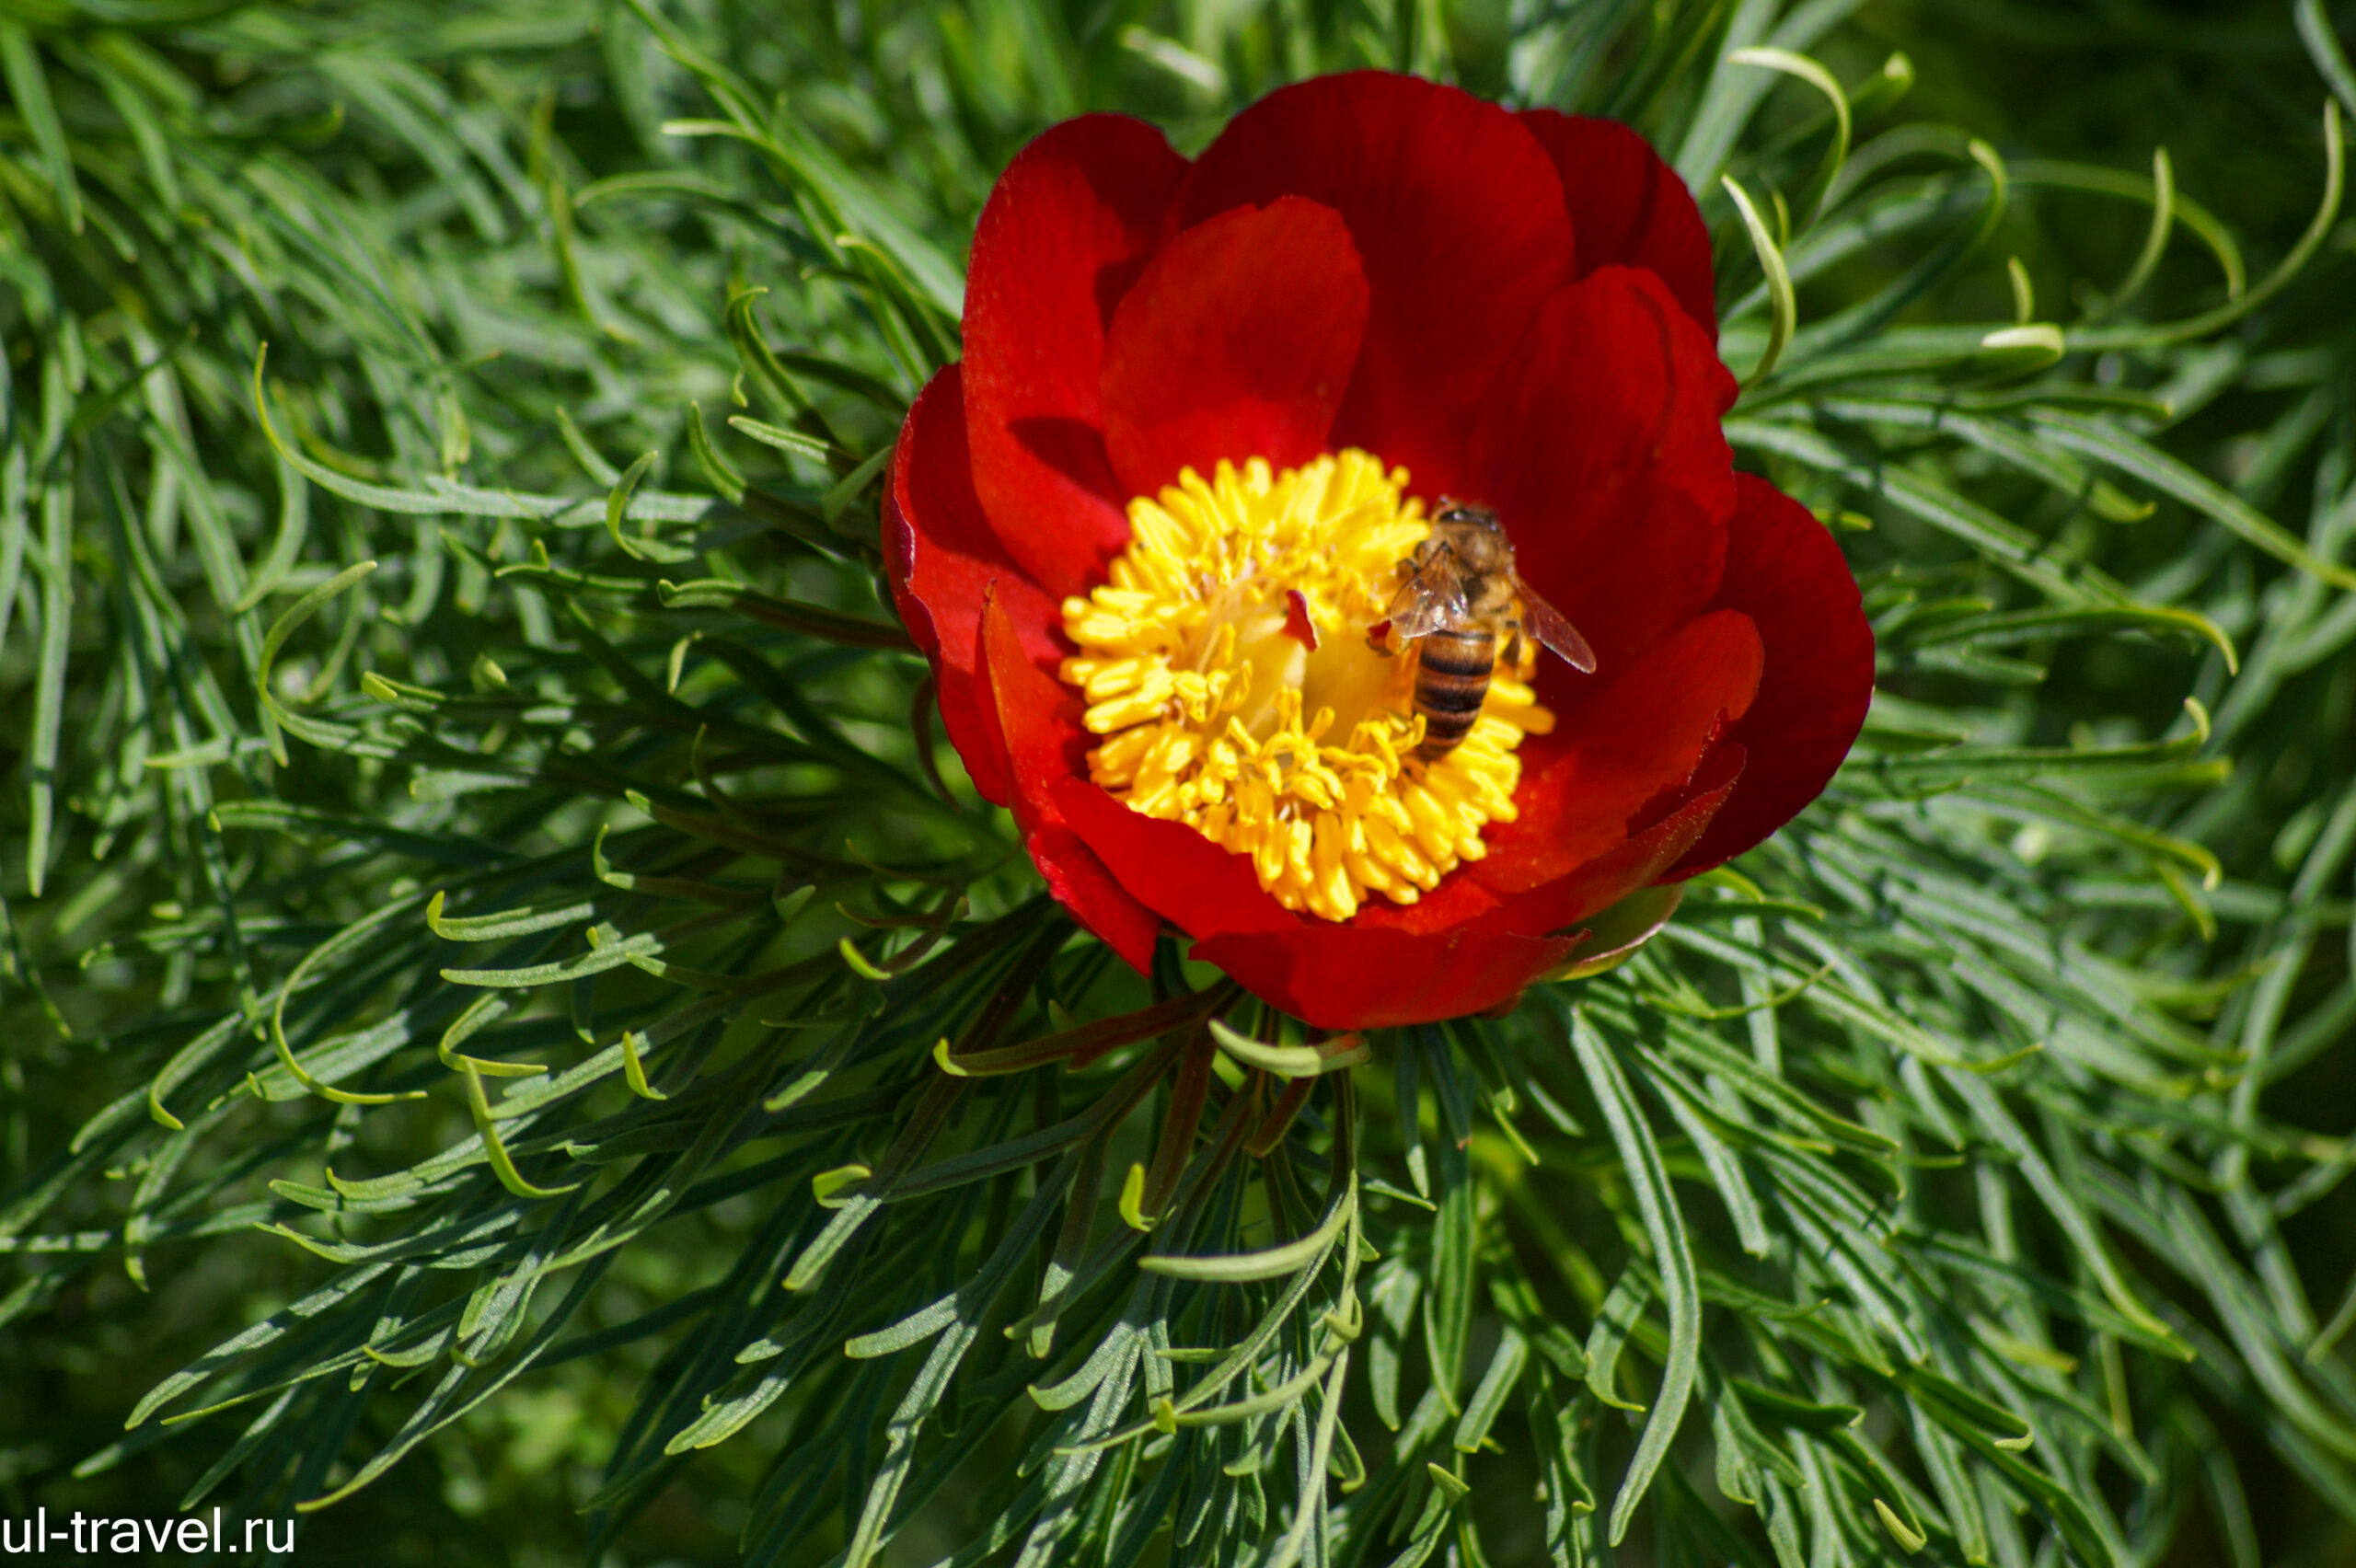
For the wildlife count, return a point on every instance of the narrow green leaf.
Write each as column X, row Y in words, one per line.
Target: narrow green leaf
column 2141, row 461
column 28, row 87
column 1672, row 1256
column 1489, row 1397
column 1783, row 303
column 1273, row 1262
column 1836, row 152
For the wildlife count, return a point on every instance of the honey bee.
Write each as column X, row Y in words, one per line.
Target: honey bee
column 1460, row 595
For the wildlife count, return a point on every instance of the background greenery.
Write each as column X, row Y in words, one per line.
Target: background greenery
column 1962, row 1177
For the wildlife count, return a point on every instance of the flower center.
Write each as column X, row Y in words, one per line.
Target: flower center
column 1228, row 664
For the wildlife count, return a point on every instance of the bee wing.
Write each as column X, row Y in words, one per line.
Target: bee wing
column 1547, row 624
column 1425, row 603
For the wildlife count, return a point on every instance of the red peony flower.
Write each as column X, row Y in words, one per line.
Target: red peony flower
column 1149, row 533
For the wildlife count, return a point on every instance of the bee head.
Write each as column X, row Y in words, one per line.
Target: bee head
column 1466, row 511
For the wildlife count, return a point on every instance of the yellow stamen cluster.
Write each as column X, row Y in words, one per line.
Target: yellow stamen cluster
column 1297, row 750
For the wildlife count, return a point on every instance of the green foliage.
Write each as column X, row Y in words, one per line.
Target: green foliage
column 495, row 944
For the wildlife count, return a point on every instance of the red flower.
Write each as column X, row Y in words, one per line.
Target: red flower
column 1517, row 309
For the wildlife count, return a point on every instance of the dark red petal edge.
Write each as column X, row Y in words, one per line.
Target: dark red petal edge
column 1628, row 207
column 1785, row 572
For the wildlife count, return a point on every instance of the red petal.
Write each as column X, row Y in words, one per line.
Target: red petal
column 943, row 562
column 1642, row 734
column 1065, row 232
column 1200, row 887
column 1297, row 626
column 1645, row 736
column 1458, row 215
column 1627, row 207
column 1460, row 899
column 1599, row 446
column 1036, row 723
column 1236, row 341
column 1333, row 976
column 1785, row 572
column 1347, row 976
column 1632, row 863
column 1610, row 810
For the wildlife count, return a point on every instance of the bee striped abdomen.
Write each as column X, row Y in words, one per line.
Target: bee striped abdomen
column 1452, row 671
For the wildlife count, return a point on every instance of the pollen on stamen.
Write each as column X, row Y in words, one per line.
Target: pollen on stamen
column 1225, row 662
